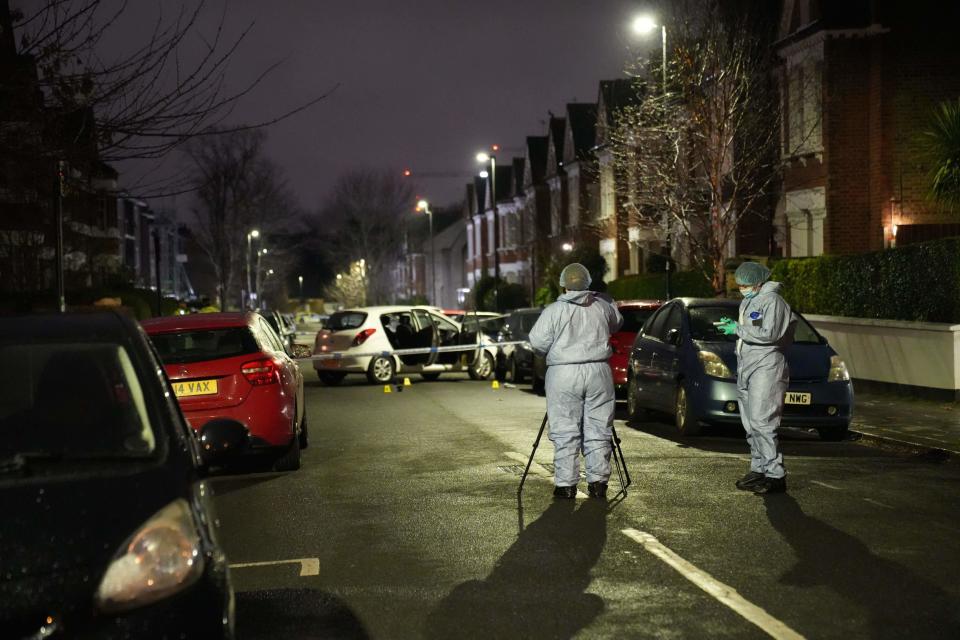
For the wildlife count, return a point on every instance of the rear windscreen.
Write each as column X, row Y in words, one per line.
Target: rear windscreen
column 204, row 344
column 343, row 320
column 633, row 318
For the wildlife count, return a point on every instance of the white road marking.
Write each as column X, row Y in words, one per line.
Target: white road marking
column 308, row 566
column 536, row 468
column 724, row 593
column 824, row 484
column 878, row 503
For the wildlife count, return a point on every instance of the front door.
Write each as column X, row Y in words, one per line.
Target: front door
column 426, row 336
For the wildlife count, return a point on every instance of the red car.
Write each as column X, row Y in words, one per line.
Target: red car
column 635, row 313
column 234, row 366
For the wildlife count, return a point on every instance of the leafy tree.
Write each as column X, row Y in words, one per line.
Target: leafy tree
column 943, row 140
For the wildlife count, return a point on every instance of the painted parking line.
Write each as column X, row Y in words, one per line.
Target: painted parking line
column 308, row 566
column 824, row 484
column 722, row 592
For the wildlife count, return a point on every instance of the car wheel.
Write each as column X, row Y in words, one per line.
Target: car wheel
column 304, row 438
column 516, row 376
column 380, row 370
column 289, row 460
column 833, row 434
column 430, row 377
column 685, row 421
column 483, row 369
column 634, row 410
column 330, row 378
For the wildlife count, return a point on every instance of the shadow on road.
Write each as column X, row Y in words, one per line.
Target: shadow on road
column 898, row 603
column 537, row 589
column 224, row 484
column 305, row 614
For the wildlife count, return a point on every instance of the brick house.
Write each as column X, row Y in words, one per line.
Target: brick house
column 859, row 82
column 536, row 206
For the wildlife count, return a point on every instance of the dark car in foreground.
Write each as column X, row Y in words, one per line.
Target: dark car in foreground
column 681, row 364
column 107, row 527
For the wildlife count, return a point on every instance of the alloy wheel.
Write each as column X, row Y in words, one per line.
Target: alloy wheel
column 382, row 369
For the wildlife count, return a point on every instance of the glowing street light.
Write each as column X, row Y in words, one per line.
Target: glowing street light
column 484, row 174
column 644, row 24
column 483, row 157
column 567, row 247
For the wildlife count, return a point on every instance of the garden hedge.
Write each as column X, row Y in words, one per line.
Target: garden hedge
column 653, row 286
column 919, row 282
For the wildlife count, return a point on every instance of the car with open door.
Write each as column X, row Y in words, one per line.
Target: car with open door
column 108, row 527
column 681, row 364
column 375, row 342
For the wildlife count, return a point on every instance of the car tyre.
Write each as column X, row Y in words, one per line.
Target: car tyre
column 634, row 410
column 430, row 377
column 381, row 370
column 330, row 378
column 483, row 368
column 289, row 460
column 833, row 434
column 516, row 376
column 304, row 437
column 684, row 420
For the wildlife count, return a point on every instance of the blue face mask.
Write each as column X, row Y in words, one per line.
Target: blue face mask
column 748, row 293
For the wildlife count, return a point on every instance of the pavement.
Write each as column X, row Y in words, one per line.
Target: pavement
column 912, row 422
column 404, row 522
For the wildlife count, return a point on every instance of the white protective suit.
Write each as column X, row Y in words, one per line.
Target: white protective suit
column 765, row 331
column 574, row 333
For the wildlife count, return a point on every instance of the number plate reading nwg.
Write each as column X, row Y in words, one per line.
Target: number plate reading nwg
column 798, row 398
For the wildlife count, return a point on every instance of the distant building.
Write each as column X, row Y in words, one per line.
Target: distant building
column 859, row 82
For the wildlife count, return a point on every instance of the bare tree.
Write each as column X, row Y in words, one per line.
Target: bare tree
column 364, row 219
column 237, row 189
column 703, row 155
column 145, row 102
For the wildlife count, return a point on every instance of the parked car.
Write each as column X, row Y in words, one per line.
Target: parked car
column 489, row 325
column 635, row 313
column 234, row 366
column 283, row 326
column 681, row 364
column 459, row 315
column 107, row 529
column 365, row 337
column 519, row 358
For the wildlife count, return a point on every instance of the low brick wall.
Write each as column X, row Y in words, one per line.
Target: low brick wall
column 906, row 356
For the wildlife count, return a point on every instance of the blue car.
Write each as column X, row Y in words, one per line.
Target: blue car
column 682, row 365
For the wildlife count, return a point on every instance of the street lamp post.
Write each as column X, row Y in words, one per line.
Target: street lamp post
column 300, row 280
column 424, row 206
column 483, row 158
column 253, row 233
column 644, row 25
column 261, row 252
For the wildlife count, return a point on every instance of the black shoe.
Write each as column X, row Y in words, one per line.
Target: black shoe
column 597, row 489
column 770, row 485
column 566, row 493
column 747, row 482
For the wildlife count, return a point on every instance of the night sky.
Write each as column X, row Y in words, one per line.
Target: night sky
column 422, row 84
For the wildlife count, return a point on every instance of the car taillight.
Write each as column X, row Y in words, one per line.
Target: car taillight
column 260, row 372
column 362, row 337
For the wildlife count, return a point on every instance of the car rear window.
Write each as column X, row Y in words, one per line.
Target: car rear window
column 198, row 345
column 343, row 320
column 634, row 317
column 72, row 399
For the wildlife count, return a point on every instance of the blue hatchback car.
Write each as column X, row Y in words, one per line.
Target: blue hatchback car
column 681, row 364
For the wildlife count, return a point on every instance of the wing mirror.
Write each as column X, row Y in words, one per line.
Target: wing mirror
column 221, row 440
column 673, row 337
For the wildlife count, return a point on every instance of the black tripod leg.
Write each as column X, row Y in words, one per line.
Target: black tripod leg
column 618, row 455
column 530, row 461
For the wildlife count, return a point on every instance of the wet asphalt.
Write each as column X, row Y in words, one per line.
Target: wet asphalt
column 408, row 502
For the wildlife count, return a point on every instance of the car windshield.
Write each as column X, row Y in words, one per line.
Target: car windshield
column 634, row 317
column 702, row 326
column 75, row 400
column 197, row 345
column 343, row 320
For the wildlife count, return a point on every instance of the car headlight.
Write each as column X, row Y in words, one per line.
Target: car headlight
column 838, row 370
column 158, row 560
column 526, row 346
column 713, row 365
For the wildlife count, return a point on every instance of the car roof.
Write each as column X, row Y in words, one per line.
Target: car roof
column 639, row 303
column 709, row 302
column 387, row 309
column 75, row 325
column 191, row 321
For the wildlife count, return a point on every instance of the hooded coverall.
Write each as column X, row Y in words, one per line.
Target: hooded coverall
column 574, row 332
column 765, row 331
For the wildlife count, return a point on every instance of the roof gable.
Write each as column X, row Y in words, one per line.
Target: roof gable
column 555, row 146
column 580, row 134
column 536, row 165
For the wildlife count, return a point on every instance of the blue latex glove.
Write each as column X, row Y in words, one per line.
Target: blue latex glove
column 727, row 326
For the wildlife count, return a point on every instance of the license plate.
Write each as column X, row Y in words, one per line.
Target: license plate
column 331, row 364
column 798, row 398
column 195, row 388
